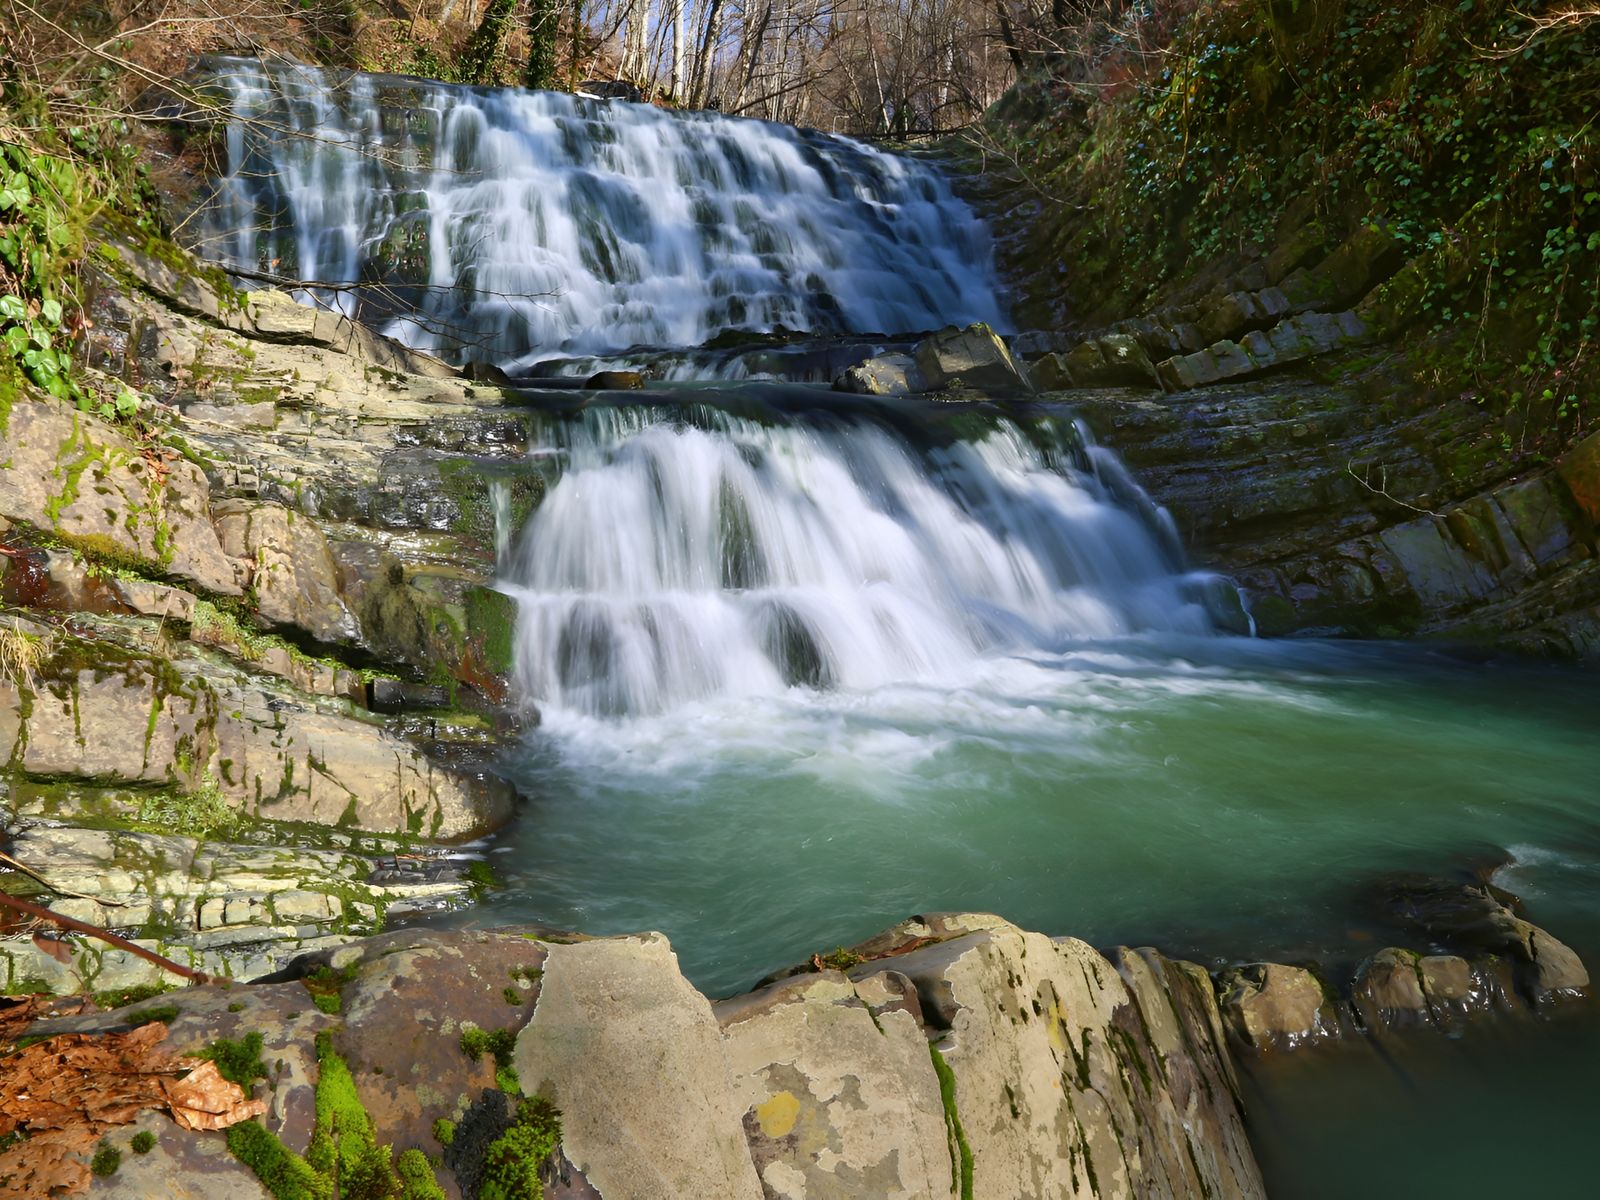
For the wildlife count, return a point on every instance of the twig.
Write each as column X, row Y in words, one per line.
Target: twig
column 1382, row 488
column 60, row 891
column 104, row 935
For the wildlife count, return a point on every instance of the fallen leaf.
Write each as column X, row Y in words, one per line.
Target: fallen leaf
column 51, row 1163
column 56, row 948
column 19, row 1012
column 203, row 1099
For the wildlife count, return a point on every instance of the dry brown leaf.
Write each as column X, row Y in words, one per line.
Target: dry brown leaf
column 203, row 1099
column 50, row 1163
column 55, row 947
column 19, row 1012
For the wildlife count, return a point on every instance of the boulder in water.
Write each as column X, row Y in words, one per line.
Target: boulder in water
column 886, row 375
column 973, row 357
column 1272, row 1006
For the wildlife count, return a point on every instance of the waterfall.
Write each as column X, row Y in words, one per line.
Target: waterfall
column 512, row 225
column 682, row 557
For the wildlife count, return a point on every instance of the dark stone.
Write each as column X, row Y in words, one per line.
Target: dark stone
column 614, row 381
column 482, row 372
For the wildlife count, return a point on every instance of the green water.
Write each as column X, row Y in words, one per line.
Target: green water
column 1221, row 799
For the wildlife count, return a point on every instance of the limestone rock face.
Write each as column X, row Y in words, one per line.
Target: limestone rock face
column 836, row 1088
column 1270, row 1006
column 293, row 574
column 193, row 720
column 1062, row 1074
column 632, row 1056
column 72, row 475
column 974, row 356
column 1058, row 1089
column 820, row 1086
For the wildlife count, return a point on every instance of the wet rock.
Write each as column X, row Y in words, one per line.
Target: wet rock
column 1389, row 988
column 1273, row 1006
column 886, row 375
column 973, row 357
column 1580, row 470
column 1115, row 360
column 1480, row 920
column 1553, row 971
column 614, row 381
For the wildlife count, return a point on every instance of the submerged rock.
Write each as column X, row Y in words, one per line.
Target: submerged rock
column 1480, row 921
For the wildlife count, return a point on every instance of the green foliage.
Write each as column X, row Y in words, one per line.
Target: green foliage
column 143, row 1142
column 444, row 1131
column 238, row 1061
column 344, row 1144
column 511, row 1164
column 52, row 183
column 165, row 1013
column 122, row 996
column 325, row 985
column 543, row 21
column 480, row 878
column 483, row 60
column 284, row 1174
column 1462, row 132
column 203, row 813
column 107, row 1158
column 840, row 959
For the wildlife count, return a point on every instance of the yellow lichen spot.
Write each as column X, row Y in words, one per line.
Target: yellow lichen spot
column 1055, row 1026
column 778, row 1115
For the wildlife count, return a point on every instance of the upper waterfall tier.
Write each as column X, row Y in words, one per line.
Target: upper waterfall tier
column 510, row 224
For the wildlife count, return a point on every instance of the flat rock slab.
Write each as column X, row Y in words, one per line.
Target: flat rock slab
column 634, row 1059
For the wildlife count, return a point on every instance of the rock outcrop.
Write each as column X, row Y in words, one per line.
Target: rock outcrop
column 1341, row 514
column 211, row 604
column 974, row 1059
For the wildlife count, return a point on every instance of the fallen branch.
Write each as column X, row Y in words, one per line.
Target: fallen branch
column 104, row 935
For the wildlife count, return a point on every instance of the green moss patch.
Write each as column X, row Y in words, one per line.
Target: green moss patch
column 960, row 1151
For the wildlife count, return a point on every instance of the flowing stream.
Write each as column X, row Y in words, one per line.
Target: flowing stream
column 807, row 666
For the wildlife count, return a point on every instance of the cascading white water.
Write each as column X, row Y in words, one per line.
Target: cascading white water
column 513, row 225
column 675, row 561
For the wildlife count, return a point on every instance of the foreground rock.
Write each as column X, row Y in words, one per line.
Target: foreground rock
column 976, row 1059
